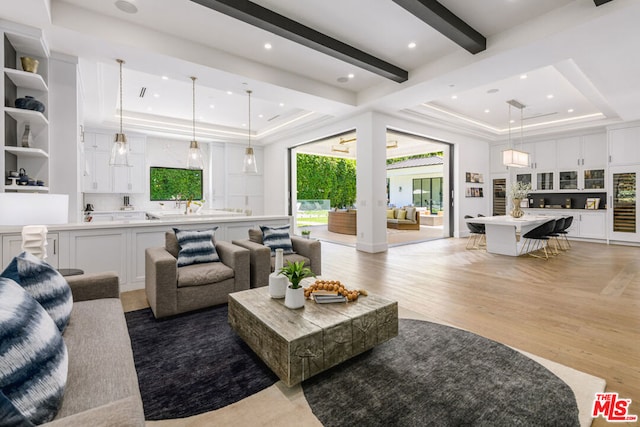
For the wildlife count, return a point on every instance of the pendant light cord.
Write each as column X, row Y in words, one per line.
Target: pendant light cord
column 510, row 143
column 249, row 93
column 120, row 61
column 193, row 79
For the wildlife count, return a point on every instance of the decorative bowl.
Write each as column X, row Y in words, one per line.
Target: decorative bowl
column 29, row 103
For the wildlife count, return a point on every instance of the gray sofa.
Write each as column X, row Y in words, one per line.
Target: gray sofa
column 262, row 263
column 102, row 384
column 172, row 290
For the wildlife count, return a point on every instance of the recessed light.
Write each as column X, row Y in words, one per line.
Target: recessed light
column 282, row 104
column 487, row 111
column 512, row 121
column 156, row 95
column 412, row 45
column 351, row 75
column 126, row 6
column 454, row 96
column 244, row 125
column 550, row 96
column 212, row 106
column 260, row 115
column 149, row 109
column 267, row 46
column 229, row 92
column 523, row 76
column 570, row 110
column 165, row 78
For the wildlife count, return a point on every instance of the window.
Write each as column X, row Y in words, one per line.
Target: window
column 427, row 193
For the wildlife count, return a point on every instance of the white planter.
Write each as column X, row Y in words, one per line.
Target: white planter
column 294, row 298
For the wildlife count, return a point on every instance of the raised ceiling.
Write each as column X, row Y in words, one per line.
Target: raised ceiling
column 567, row 48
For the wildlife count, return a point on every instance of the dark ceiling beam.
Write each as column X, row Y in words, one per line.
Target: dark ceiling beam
column 273, row 22
column 448, row 24
column 601, row 2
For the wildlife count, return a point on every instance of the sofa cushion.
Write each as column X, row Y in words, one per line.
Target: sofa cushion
column 33, row 359
column 255, row 235
column 277, row 238
column 196, row 246
column 203, row 274
column 101, row 366
column 411, row 213
column 45, row 284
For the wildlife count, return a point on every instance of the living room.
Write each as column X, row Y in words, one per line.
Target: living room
column 442, row 99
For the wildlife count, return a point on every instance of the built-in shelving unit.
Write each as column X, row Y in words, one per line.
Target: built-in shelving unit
column 18, row 41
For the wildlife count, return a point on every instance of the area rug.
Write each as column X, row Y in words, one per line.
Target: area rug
column 436, row 375
column 192, row 363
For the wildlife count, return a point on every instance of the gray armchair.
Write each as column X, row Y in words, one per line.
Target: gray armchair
column 263, row 264
column 172, row 290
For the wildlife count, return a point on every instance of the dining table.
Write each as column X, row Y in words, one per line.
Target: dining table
column 502, row 231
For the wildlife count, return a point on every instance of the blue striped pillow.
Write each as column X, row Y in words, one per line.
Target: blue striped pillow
column 196, row 246
column 45, row 284
column 33, row 359
column 277, row 238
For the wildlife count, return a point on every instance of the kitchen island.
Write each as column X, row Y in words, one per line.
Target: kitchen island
column 119, row 245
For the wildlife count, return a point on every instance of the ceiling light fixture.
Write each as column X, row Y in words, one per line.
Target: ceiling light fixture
column 249, row 165
column 267, row 46
column 126, row 6
column 194, row 159
column 119, row 150
column 511, row 157
column 412, row 45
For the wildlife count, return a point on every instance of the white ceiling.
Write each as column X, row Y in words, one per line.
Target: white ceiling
column 583, row 55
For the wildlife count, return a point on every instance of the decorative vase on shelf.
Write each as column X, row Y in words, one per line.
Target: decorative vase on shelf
column 29, row 103
column 27, row 138
column 516, row 212
column 277, row 282
column 294, row 298
column 29, row 64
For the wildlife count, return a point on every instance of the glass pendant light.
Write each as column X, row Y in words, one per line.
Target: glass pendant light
column 119, row 149
column 249, row 165
column 194, row 160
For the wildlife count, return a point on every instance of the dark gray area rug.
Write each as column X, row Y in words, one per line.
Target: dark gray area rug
column 434, row 375
column 192, row 363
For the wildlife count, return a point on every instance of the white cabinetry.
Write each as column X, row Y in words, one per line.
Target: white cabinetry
column 12, row 246
column 582, row 162
column 96, row 251
column 34, row 159
column 624, row 146
column 586, row 225
column 99, row 177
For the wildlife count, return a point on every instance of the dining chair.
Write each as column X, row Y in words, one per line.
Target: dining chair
column 538, row 239
column 477, row 236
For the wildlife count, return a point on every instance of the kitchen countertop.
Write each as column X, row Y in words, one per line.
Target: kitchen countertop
column 187, row 219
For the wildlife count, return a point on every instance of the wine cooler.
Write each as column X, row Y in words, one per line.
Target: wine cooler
column 500, row 196
column 624, row 204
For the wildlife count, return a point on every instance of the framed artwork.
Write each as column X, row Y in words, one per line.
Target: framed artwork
column 592, row 203
column 474, row 192
column 474, row 177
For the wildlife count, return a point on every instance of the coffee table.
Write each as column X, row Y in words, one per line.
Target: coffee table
column 297, row 344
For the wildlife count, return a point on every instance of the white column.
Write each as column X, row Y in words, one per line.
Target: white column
column 371, row 200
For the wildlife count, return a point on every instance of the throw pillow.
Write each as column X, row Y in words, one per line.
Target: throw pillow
column 33, row 359
column 277, row 238
column 45, row 284
column 196, row 246
column 402, row 214
column 389, row 213
column 411, row 213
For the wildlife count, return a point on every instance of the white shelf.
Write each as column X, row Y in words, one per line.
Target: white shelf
column 27, row 188
column 26, row 80
column 35, row 118
column 26, row 152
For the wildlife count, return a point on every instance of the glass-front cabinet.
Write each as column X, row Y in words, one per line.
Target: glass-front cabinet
column 568, row 180
column 588, row 179
column 593, row 179
column 544, row 181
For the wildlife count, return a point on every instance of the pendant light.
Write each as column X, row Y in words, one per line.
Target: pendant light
column 250, row 165
column 512, row 157
column 194, row 160
column 120, row 150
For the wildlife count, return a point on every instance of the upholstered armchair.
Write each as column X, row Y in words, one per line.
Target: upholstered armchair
column 263, row 264
column 172, row 289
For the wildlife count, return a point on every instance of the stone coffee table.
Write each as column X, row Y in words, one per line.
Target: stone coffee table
column 297, row 344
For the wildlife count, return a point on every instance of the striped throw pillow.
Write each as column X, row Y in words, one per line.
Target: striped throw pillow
column 277, row 238
column 33, row 359
column 45, row 284
column 196, row 246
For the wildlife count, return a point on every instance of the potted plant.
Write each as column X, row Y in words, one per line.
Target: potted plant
column 295, row 272
column 305, row 233
column 519, row 190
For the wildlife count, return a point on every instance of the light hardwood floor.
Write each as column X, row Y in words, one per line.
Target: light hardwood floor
column 580, row 308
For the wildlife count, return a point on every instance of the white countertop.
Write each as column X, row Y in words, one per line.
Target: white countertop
column 187, row 219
